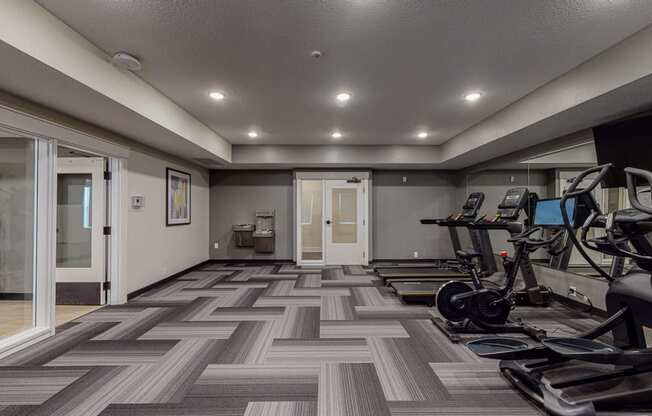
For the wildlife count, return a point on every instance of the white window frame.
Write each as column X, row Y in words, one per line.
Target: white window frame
column 43, row 292
column 44, row 132
column 299, row 176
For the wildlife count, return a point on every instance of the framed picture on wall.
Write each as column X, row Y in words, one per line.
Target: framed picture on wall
column 177, row 197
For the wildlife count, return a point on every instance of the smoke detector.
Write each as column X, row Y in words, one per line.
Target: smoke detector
column 123, row 60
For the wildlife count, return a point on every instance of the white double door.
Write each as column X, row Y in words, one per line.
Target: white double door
column 344, row 225
column 332, row 226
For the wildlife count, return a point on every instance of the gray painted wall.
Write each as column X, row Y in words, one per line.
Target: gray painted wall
column 234, row 198
column 398, row 206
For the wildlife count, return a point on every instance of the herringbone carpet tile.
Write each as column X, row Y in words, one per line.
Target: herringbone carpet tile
column 250, row 340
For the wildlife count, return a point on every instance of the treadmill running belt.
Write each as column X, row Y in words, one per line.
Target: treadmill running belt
column 414, row 271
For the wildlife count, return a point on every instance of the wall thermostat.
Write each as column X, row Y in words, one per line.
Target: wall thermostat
column 137, row 201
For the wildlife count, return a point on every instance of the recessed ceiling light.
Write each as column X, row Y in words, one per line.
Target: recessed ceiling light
column 217, row 96
column 253, row 134
column 422, row 134
column 336, row 135
column 473, row 96
column 343, row 97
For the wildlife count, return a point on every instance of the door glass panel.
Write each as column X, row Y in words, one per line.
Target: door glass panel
column 345, row 210
column 17, row 228
column 311, row 220
column 74, row 206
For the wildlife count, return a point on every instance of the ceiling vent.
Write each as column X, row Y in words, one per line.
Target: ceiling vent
column 123, row 60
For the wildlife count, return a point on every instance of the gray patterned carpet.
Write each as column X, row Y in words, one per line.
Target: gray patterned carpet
column 242, row 339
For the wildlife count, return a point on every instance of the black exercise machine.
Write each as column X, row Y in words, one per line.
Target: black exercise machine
column 422, row 289
column 445, row 269
column 527, row 290
column 581, row 376
column 484, row 306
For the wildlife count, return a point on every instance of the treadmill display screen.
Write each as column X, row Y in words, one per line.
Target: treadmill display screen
column 548, row 212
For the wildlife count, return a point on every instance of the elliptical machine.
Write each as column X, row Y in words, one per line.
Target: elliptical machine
column 579, row 376
column 482, row 306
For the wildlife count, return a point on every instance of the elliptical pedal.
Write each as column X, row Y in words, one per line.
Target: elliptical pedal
column 583, row 349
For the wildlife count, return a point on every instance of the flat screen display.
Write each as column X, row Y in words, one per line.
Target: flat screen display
column 548, row 212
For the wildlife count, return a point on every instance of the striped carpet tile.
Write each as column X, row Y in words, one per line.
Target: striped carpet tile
column 281, row 408
column 350, row 389
column 114, row 353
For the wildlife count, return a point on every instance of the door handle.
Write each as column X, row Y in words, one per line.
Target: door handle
column 328, row 222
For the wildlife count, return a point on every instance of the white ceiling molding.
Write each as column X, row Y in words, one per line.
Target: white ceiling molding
column 31, row 29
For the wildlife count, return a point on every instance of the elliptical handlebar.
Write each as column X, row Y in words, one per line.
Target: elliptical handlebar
column 524, row 234
column 573, row 192
column 631, row 174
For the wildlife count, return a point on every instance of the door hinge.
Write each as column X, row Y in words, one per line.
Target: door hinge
column 107, row 230
column 107, row 176
column 364, row 222
column 364, row 254
column 106, row 286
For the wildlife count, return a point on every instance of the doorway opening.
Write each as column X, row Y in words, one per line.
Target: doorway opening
column 332, row 211
column 81, row 233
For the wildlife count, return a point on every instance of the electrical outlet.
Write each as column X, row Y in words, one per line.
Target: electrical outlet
column 416, row 254
column 572, row 291
column 404, row 179
column 216, row 245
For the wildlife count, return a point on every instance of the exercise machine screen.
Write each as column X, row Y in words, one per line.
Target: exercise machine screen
column 548, row 212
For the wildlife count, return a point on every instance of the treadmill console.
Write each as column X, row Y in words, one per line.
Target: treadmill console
column 509, row 209
column 472, row 205
column 515, row 200
column 469, row 212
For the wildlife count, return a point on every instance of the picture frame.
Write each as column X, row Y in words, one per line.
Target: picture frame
column 177, row 197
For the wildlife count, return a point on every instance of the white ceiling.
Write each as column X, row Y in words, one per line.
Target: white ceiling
column 407, row 63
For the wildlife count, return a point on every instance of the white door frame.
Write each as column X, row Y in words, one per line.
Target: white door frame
column 364, row 177
column 116, row 242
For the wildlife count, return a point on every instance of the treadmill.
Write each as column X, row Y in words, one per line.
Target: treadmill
column 443, row 269
column 515, row 201
column 417, row 285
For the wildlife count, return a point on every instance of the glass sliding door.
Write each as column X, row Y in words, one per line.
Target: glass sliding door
column 18, row 223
